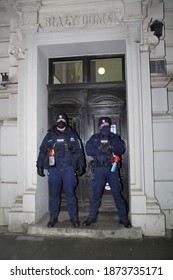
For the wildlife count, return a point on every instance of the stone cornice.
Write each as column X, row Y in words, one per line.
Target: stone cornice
column 132, row 16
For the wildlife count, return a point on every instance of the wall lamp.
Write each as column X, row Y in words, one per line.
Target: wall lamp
column 4, row 79
column 157, row 27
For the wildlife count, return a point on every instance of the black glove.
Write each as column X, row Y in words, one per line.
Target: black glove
column 40, row 171
column 106, row 149
column 80, row 171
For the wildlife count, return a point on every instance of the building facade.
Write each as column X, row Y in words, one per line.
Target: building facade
column 31, row 33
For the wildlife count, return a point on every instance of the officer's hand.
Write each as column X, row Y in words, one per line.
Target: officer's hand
column 40, row 171
column 80, row 171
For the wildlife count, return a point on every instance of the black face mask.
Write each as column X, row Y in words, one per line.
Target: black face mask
column 105, row 130
column 61, row 124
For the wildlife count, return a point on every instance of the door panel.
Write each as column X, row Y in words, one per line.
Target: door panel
column 84, row 107
column 109, row 103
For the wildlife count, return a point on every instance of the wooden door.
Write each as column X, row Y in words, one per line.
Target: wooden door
column 84, row 106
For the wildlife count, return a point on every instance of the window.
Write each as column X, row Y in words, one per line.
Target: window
column 106, row 70
column 86, row 70
column 67, row 72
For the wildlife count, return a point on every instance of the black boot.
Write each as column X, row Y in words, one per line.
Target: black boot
column 88, row 222
column 75, row 222
column 126, row 223
column 52, row 222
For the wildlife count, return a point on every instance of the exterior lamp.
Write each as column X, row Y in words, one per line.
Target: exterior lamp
column 4, row 78
column 157, row 26
column 101, row 71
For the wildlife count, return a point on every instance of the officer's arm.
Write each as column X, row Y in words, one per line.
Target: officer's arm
column 80, row 152
column 42, row 152
column 118, row 145
column 92, row 148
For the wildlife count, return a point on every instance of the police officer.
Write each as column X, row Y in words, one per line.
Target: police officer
column 102, row 147
column 62, row 154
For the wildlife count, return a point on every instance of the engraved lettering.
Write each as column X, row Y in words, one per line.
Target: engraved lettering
column 110, row 17
column 71, row 20
column 100, row 18
column 92, row 19
column 58, row 22
column 74, row 18
column 83, row 19
column 49, row 22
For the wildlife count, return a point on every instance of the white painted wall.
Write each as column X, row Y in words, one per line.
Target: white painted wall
column 163, row 152
column 23, row 110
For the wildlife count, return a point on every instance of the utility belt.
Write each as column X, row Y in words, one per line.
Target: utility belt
column 98, row 164
column 102, row 164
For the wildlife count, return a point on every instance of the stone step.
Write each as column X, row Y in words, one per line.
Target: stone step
column 107, row 226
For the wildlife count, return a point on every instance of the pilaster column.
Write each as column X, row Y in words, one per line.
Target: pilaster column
column 21, row 48
column 152, row 204
column 145, row 210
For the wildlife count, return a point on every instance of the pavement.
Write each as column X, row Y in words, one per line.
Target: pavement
column 104, row 240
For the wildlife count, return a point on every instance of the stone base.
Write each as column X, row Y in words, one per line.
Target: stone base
column 151, row 224
column 19, row 221
column 169, row 218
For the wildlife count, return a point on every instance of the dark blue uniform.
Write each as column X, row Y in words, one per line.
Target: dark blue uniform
column 69, row 157
column 102, row 146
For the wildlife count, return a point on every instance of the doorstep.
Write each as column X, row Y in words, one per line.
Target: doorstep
column 107, row 226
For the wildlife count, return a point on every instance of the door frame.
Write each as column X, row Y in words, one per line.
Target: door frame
column 121, row 86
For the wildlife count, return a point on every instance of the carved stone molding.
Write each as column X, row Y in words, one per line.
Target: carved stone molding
column 151, row 10
column 150, row 41
column 17, row 51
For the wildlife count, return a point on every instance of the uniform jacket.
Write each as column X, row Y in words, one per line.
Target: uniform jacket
column 68, row 149
column 97, row 141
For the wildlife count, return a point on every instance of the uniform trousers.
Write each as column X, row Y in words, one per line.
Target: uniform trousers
column 66, row 177
column 100, row 177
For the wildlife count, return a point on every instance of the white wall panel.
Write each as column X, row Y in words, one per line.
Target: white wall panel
column 168, row 4
column 4, row 33
column 169, row 53
column 4, row 103
column 170, row 103
column 170, row 69
column 4, row 64
column 4, row 17
column 164, row 193
column 159, row 101
column 169, row 36
column 13, row 106
column 4, row 49
column 8, row 192
column 163, row 164
column 9, row 140
column 169, row 19
column 163, row 136
column 8, row 167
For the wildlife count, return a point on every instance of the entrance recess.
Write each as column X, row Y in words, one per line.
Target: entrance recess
column 85, row 104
